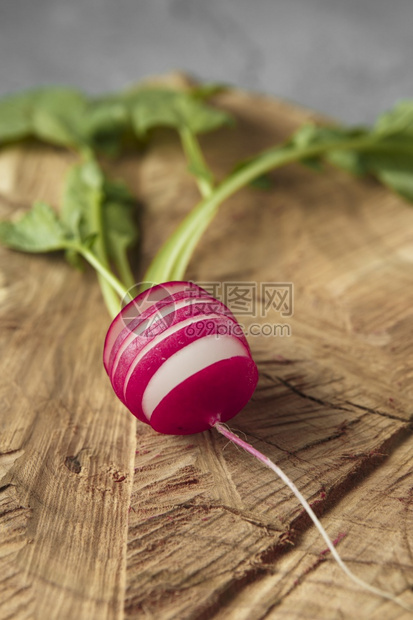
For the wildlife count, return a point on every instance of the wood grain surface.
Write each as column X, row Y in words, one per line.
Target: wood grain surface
column 104, row 518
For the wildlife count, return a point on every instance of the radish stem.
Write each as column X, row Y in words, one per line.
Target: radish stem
column 123, row 268
column 196, row 162
column 111, row 300
column 108, row 278
column 112, row 303
column 173, row 258
column 268, row 463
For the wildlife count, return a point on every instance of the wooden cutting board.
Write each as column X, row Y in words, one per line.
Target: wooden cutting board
column 101, row 518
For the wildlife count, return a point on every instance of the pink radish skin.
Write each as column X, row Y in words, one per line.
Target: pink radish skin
column 195, row 318
column 233, row 381
column 135, row 309
column 153, row 361
column 178, row 360
column 148, row 324
column 132, row 339
column 143, row 307
column 150, row 348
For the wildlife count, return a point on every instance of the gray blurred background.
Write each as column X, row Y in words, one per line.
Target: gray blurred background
column 350, row 59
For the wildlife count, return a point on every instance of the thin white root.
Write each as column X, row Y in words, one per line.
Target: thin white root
column 224, row 430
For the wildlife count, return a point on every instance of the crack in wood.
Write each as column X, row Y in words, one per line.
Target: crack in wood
column 314, row 399
column 331, row 405
column 235, row 511
column 5, row 487
column 383, row 414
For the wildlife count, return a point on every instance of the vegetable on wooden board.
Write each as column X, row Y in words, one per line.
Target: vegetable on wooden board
column 176, row 357
column 182, row 363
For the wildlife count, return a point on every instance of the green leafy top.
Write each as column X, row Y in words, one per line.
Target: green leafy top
column 175, row 109
column 396, row 122
column 53, row 115
column 96, row 222
column 96, row 218
column 39, row 230
column 66, row 117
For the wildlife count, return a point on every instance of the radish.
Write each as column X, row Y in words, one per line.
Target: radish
column 178, row 359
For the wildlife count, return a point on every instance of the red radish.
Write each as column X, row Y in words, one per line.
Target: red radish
column 178, row 359
column 135, row 309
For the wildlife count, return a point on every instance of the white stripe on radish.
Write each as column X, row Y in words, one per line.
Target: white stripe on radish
column 135, row 308
column 185, row 363
column 151, row 321
column 158, row 339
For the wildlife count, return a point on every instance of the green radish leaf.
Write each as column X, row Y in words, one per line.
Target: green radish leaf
column 84, row 186
column 65, row 117
column 157, row 107
column 90, row 240
column 398, row 120
column 54, row 115
column 350, row 161
column 401, row 181
column 105, row 115
column 38, row 230
column 306, row 135
column 107, row 123
column 15, row 116
column 119, row 222
column 394, row 169
column 311, row 135
column 58, row 117
column 208, row 89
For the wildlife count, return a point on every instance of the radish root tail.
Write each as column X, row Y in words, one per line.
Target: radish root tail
column 226, row 432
